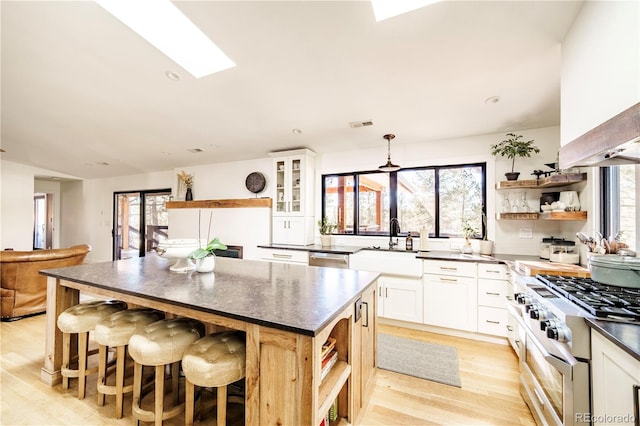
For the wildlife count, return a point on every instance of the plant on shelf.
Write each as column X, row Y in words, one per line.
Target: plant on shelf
column 326, row 228
column 514, row 147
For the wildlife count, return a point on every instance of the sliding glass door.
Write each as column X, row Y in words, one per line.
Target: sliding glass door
column 140, row 221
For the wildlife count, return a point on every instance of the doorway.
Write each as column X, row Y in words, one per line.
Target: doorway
column 140, row 221
column 42, row 221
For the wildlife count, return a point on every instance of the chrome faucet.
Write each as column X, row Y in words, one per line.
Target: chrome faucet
column 393, row 225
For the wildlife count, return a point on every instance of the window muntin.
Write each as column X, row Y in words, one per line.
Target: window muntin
column 444, row 197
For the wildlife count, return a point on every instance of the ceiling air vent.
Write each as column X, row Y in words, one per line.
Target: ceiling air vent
column 356, row 124
column 195, row 150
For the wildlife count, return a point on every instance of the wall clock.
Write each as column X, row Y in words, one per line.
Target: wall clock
column 255, row 182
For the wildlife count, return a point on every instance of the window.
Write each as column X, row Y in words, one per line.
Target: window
column 441, row 198
column 619, row 211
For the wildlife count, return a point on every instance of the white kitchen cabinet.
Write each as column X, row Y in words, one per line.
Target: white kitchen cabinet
column 615, row 378
column 293, row 197
column 493, row 290
column 292, row 230
column 284, row 256
column 400, row 298
column 399, row 286
column 451, row 295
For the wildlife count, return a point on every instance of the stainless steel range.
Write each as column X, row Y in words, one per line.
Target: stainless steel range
column 548, row 327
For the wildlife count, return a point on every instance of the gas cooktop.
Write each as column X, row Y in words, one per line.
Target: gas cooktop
column 600, row 300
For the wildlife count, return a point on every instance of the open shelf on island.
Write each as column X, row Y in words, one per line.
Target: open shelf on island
column 332, row 385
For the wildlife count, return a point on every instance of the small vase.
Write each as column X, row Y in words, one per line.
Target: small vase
column 189, row 195
column 206, row 264
column 486, row 247
column 325, row 240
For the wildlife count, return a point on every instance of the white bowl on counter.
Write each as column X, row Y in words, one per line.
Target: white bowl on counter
column 179, row 249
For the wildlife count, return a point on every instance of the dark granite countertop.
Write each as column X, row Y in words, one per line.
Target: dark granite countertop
column 298, row 298
column 625, row 336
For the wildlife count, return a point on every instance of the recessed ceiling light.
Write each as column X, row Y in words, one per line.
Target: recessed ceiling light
column 296, row 131
column 166, row 153
column 213, row 146
column 492, row 100
column 172, row 76
column 162, row 24
column 384, row 9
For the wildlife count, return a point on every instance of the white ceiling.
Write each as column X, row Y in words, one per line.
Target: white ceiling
column 80, row 89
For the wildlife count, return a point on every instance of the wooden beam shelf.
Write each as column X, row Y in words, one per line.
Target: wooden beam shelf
column 561, row 179
column 519, row 216
column 581, row 215
column 220, row 204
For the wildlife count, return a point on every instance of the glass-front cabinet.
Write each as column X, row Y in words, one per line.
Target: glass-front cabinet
column 289, row 183
column 293, row 204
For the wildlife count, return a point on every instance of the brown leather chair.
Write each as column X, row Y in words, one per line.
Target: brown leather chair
column 24, row 290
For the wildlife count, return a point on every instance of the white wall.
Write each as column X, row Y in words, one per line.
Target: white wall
column 16, row 193
column 600, row 65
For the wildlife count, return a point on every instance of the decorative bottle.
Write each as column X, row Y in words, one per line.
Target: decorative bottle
column 409, row 242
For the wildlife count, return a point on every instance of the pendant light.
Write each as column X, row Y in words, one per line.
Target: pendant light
column 389, row 167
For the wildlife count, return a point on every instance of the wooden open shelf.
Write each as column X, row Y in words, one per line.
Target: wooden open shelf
column 519, row 216
column 554, row 181
column 581, row 215
column 220, row 204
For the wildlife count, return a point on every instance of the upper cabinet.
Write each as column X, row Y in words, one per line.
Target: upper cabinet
column 293, row 197
column 293, row 173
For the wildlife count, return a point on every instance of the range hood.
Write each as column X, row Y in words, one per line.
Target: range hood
column 614, row 142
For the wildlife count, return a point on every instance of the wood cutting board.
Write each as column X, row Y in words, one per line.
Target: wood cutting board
column 532, row 268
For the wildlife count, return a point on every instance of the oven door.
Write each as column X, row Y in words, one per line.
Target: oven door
column 555, row 389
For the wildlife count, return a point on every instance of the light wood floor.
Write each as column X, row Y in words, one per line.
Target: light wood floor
column 489, row 393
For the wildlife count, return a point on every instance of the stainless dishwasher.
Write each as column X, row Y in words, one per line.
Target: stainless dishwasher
column 329, row 260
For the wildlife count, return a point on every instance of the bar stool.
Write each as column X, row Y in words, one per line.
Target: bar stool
column 80, row 319
column 161, row 343
column 115, row 331
column 216, row 360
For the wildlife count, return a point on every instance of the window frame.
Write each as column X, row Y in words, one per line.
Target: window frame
column 393, row 197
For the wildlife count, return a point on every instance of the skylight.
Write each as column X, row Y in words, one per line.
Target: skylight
column 170, row 31
column 384, row 9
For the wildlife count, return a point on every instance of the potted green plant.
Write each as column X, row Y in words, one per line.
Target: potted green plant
column 514, row 147
column 468, row 230
column 326, row 228
column 205, row 258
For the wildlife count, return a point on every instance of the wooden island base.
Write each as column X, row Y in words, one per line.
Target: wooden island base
column 283, row 368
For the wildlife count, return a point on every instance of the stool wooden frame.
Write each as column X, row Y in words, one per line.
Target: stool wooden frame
column 139, row 390
column 144, row 317
column 96, row 309
column 229, row 348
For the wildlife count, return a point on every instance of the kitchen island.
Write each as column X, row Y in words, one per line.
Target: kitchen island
column 287, row 312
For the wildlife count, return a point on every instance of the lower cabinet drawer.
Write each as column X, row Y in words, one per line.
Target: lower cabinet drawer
column 492, row 321
column 284, row 256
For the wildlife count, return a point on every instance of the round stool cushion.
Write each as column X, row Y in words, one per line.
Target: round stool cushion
column 215, row 360
column 83, row 317
column 117, row 328
column 164, row 342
